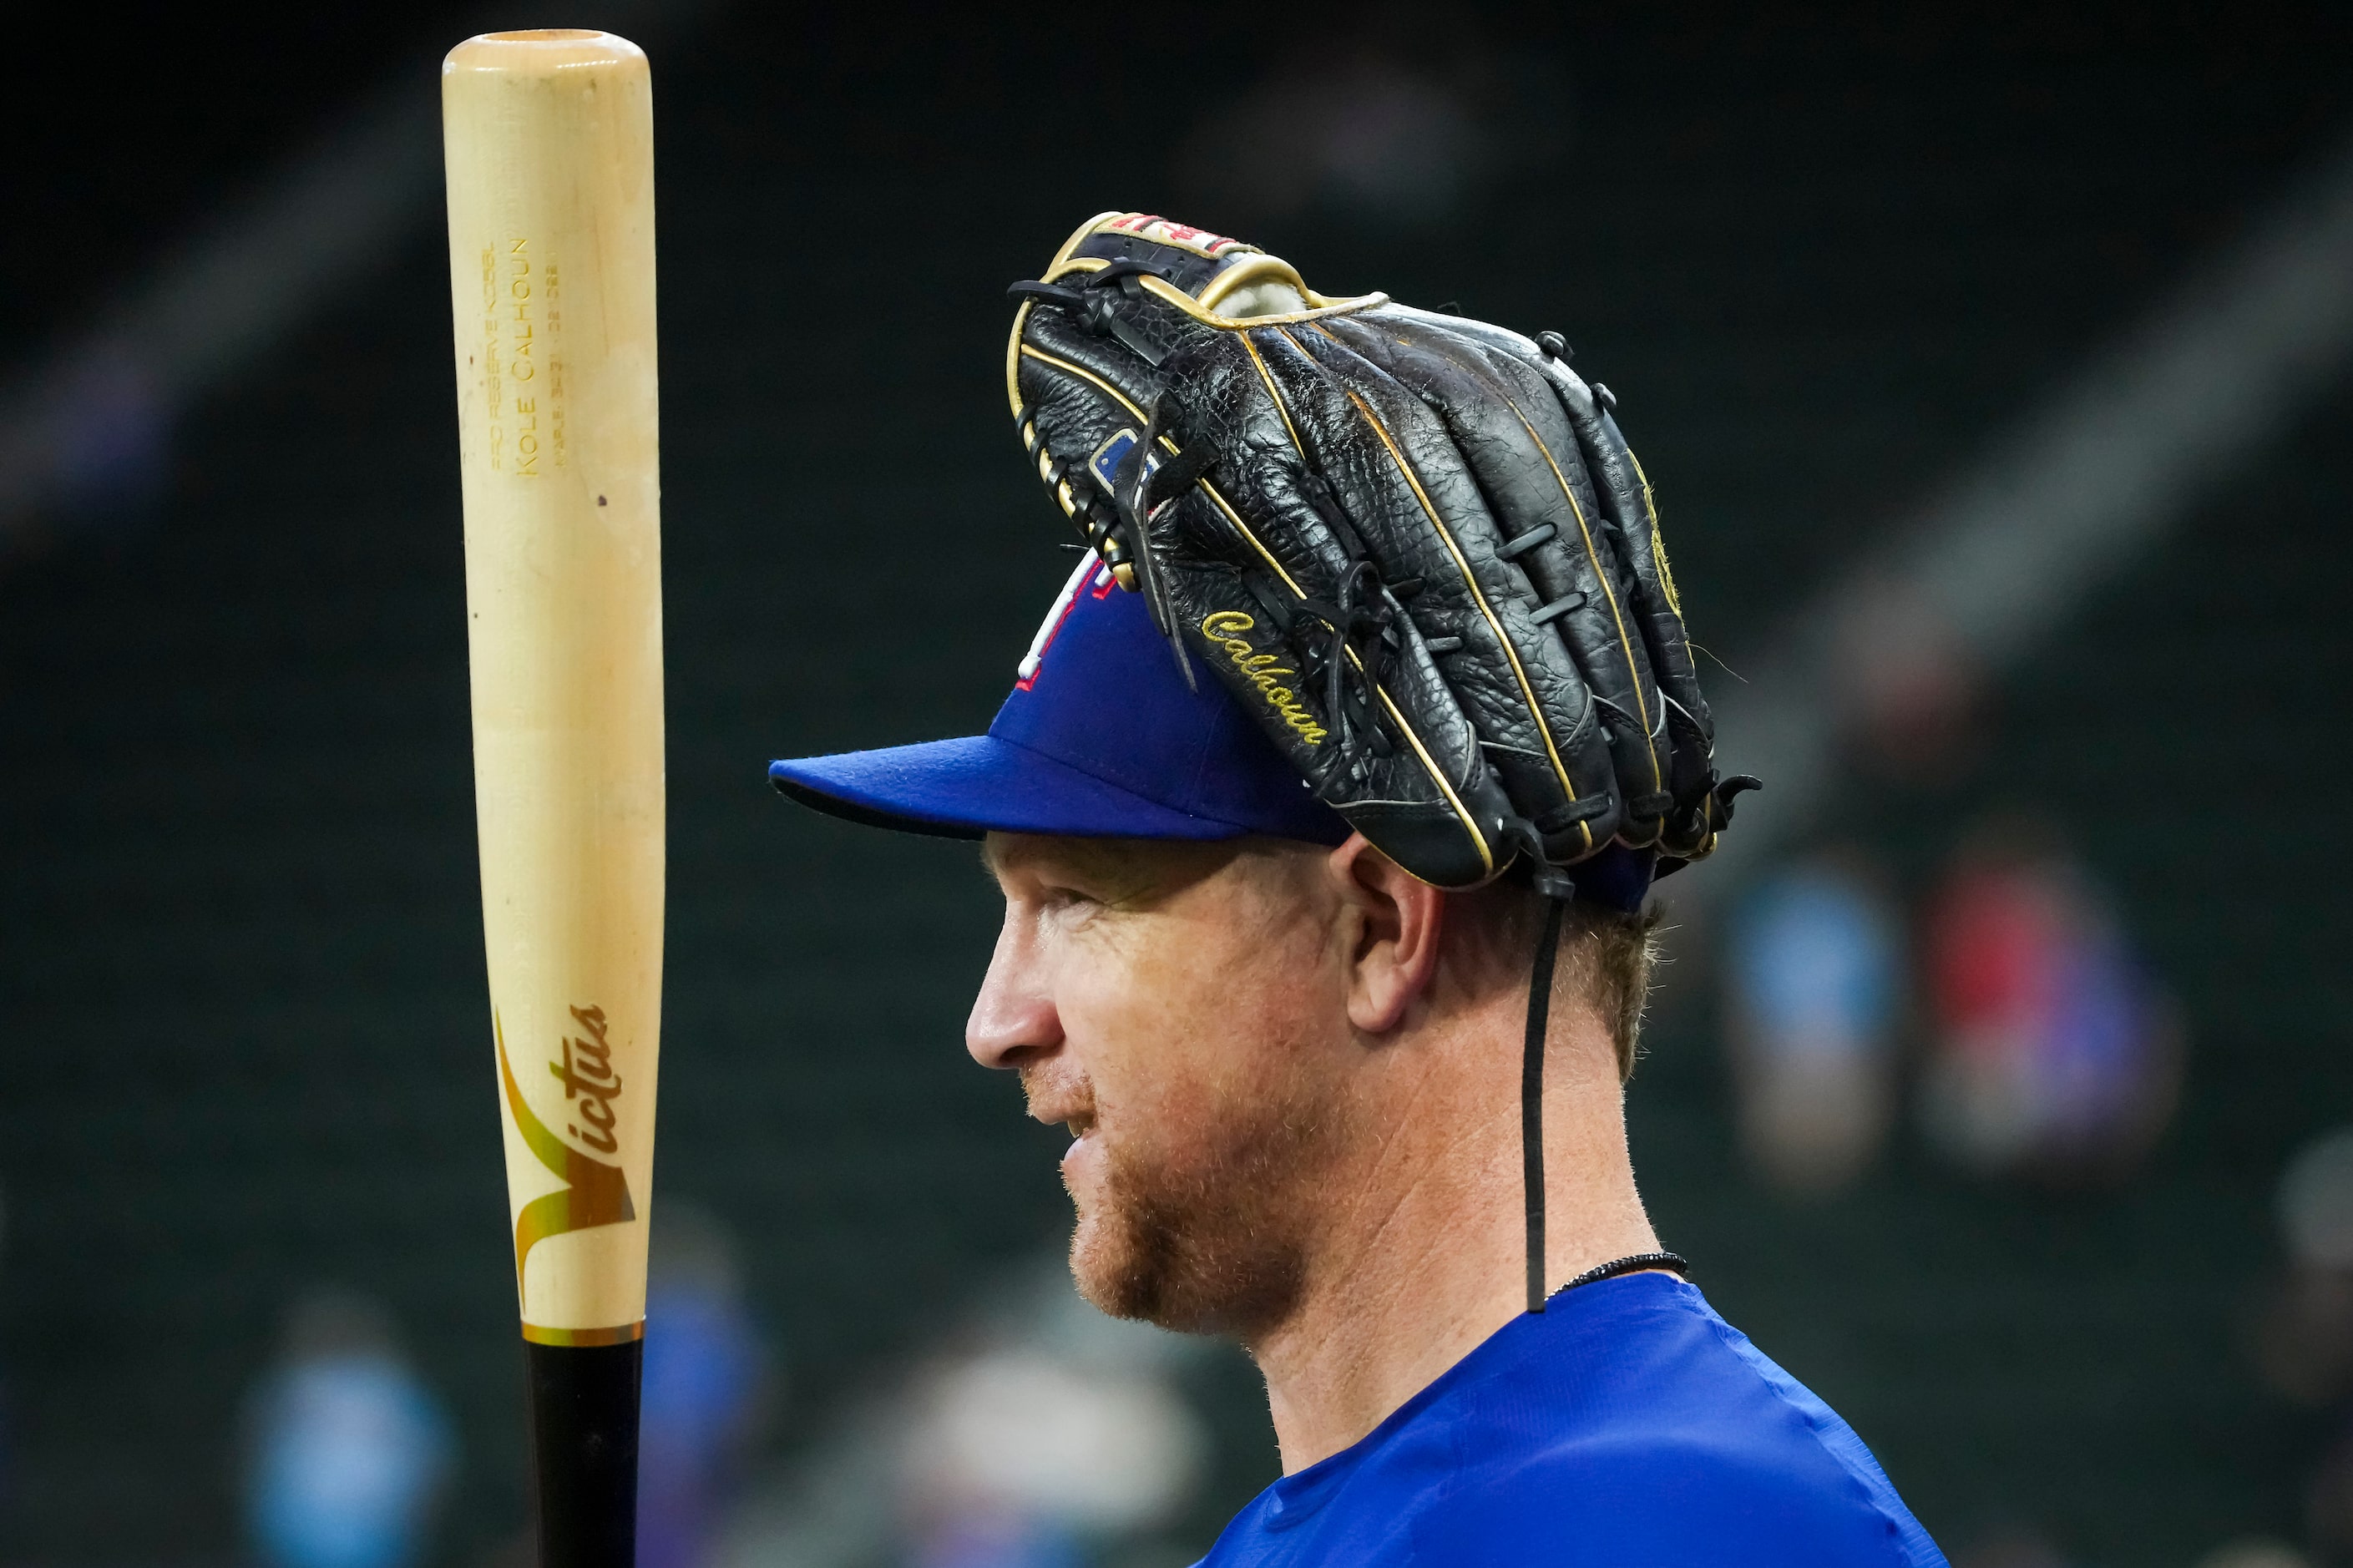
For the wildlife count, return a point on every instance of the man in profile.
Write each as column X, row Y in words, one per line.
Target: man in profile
column 1313, row 1104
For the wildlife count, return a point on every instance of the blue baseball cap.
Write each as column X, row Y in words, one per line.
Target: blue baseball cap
column 1101, row 738
column 1098, row 738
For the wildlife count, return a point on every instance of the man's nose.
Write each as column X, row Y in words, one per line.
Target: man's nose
column 1013, row 1020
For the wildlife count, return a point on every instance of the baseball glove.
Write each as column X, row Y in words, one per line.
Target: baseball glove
column 1415, row 546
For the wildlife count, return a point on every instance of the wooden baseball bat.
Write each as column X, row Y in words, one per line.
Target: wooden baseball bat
column 549, row 142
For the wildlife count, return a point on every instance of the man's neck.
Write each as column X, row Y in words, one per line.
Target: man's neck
column 1421, row 1245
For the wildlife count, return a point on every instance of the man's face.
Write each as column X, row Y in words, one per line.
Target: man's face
column 1182, row 1008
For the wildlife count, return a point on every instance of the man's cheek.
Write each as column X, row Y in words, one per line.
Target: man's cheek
column 1169, row 1054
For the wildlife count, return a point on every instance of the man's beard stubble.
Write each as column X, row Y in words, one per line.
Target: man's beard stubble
column 1214, row 1239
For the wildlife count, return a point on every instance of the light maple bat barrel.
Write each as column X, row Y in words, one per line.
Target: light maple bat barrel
column 549, row 143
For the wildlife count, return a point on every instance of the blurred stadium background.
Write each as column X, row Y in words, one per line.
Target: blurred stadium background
column 1993, row 371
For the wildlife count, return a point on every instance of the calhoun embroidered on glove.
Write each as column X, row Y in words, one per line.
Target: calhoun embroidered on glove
column 1415, row 546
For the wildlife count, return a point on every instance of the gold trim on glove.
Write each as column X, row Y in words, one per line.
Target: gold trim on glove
column 1477, row 596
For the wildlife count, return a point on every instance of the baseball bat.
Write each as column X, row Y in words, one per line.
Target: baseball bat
column 548, row 138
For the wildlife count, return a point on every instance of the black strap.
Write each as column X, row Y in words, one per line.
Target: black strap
column 1568, row 813
column 1094, row 307
column 1513, row 548
column 1131, row 483
column 1557, row 608
column 1532, row 1132
column 1532, row 1099
column 1175, row 476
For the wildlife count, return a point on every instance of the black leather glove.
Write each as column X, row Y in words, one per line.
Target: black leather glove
column 1415, row 546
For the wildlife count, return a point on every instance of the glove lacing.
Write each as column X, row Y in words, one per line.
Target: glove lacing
column 1362, row 621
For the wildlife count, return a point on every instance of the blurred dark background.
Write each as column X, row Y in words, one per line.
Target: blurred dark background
column 1827, row 263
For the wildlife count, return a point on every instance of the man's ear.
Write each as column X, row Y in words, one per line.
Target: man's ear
column 1390, row 925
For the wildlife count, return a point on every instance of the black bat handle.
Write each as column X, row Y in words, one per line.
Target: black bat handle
column 584, row 1439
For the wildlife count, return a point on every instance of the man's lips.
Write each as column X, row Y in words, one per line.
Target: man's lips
column 1078, row 1118
column 1081, row 1123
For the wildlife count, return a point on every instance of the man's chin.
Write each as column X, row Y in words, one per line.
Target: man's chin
column 1096, row 1269
column 1147, row 1266
column 1105, row 1264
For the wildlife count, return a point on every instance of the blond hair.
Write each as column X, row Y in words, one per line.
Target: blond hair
column 1607, row 957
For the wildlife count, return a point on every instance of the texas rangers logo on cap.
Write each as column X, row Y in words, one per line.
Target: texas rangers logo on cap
column 1064, row 603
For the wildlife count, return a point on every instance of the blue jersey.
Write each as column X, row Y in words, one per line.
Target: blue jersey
column 1628, row 1425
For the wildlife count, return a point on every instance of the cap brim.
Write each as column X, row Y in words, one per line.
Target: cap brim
column 977, row 785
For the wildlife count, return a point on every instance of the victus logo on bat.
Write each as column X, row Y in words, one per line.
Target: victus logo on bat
column 587, row 1076
column 594, row 1193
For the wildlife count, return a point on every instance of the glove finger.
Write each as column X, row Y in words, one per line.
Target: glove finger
column 1625, row 500
column 1625, row 505
column 1247, row 550
column 1410, row 493
column 1511, row 432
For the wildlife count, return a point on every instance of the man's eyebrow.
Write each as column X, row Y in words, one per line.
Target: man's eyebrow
column 1120, row 870
column 1002, row 853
